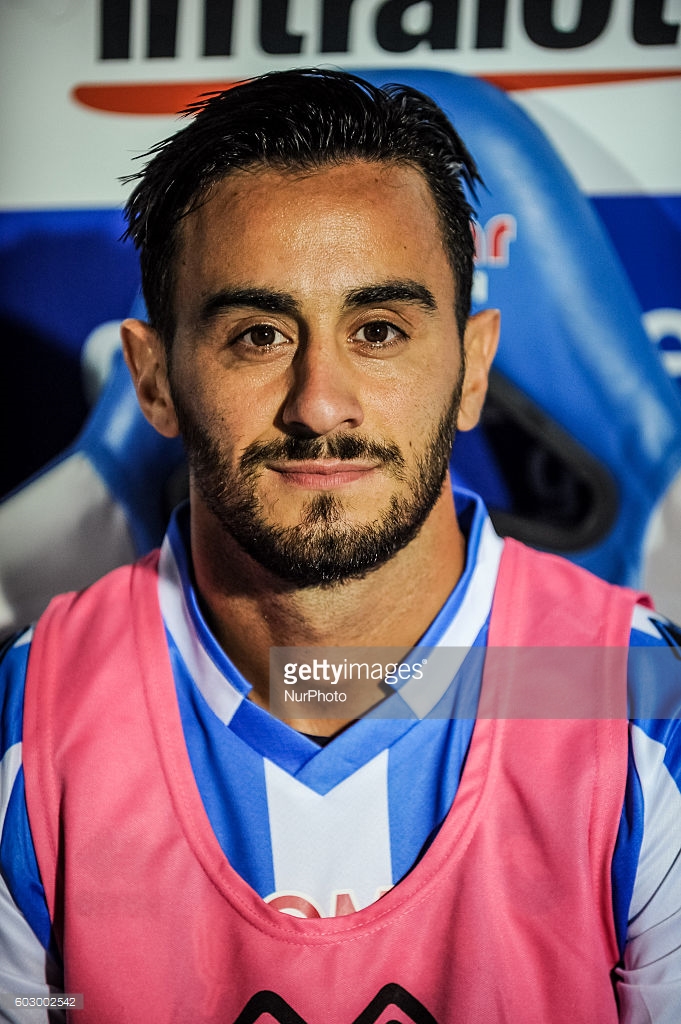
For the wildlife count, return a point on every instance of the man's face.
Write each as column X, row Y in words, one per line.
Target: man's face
column 316, row 368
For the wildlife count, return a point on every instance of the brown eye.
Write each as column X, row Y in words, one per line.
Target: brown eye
column 260, row 340
column 261, row 335
column 380, row 333
column 376, row 333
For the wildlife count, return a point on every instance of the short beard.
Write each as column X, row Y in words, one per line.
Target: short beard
column 322, row 550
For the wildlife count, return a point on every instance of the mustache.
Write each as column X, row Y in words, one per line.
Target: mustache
column 343, row 447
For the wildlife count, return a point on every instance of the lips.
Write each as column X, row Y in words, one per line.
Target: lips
column 322, row 474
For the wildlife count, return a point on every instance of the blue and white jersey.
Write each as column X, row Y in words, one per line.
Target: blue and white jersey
column 325, row 830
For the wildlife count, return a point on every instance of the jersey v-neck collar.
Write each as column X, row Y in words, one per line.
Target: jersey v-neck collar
column 460, row 624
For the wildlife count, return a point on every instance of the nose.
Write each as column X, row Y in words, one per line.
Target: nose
column 322, row 397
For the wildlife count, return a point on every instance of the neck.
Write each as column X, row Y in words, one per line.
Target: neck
column 250, row 610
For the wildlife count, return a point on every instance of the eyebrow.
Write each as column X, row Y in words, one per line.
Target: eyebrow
column 247, row 298
column 391, row 291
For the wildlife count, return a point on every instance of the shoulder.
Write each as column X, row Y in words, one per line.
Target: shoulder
column 545, row 599
column 654, row 673
column 79, row 626
column 650, row 628
column 654, row 695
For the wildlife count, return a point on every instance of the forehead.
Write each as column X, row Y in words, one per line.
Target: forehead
column 317, row 231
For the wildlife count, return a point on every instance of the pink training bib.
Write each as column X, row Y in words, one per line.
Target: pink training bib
column 506, row 918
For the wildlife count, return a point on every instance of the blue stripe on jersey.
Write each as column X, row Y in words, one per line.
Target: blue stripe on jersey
column 12, row 675
column 269, row 737
column 351, row 750
column 428, row 763
column 230, row 777
column 424, row 770
column 20, row 867
column 627, row 851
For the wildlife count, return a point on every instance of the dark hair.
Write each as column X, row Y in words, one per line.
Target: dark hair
column 298, row 120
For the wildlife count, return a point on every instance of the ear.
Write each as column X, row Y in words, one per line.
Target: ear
column 145, row 355
column 480, row 344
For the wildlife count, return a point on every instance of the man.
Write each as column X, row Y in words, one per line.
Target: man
column 171, row 849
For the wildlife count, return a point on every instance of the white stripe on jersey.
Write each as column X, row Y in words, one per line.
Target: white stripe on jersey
column 222, row 698
column 338, row 842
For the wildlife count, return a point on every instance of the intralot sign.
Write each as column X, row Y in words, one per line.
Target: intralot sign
column 325, row 27
column 89, row 82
